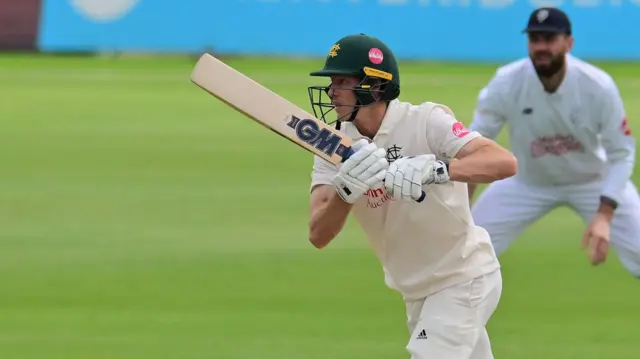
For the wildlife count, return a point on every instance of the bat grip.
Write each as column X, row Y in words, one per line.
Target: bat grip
column 350, row 152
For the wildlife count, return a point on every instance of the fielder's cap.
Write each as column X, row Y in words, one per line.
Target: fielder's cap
column 549, row 19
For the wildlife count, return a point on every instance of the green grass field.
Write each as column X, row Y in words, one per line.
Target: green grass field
column 140, row 218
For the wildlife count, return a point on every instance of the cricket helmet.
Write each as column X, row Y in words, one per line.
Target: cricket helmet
column 366, row 58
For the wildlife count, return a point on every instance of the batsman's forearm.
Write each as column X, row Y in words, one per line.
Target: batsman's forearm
column 327, row 219
column 484, row 166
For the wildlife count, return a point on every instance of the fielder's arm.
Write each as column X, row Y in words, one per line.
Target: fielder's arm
column 619, row 146
column 488, row 119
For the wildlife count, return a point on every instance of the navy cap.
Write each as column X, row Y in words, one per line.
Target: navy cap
column 549, row 19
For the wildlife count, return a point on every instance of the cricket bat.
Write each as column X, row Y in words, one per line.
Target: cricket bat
column 271, row 110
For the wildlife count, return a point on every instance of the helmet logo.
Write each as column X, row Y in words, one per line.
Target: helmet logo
column 375, row 56
column 333, row 52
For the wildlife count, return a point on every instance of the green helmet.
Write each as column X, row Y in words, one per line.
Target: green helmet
column 366, row 58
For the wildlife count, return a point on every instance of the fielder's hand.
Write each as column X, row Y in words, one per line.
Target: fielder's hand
column 596, row 239
column 406, row 176
column 365, row 169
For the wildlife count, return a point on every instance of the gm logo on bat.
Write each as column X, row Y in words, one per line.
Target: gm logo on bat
column 324, row 140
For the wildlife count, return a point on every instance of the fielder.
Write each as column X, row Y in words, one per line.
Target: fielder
column 431, row 252
column 569, row 131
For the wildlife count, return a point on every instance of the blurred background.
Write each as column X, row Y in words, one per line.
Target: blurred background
column 141, row 218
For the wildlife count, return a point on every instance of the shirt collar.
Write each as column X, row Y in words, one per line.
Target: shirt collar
column 390, row 119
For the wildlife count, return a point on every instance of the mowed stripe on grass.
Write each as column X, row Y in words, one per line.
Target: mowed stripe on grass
column 142, row 219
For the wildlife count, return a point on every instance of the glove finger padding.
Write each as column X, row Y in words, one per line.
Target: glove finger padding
column 358, row 157
column 373, row 169
column 407, row 184
column 389, row 178
column 376, row 180
column 359, row 170
column 363, row 170
column 416, row 181
column 404, row 177
column 398, row 179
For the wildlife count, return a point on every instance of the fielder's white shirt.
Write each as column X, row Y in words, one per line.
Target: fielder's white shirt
column 576, row 135
column 423, row 247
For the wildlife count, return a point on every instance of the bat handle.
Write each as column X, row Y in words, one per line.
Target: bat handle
column 350, row 152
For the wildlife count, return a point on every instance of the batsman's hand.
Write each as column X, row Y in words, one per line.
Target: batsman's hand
column 406, row 176
column 365, row 169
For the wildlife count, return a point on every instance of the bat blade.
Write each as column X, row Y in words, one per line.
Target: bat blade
column 270, row 109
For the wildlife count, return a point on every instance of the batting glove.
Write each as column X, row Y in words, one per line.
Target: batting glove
column 365, row 169
column 406, row 176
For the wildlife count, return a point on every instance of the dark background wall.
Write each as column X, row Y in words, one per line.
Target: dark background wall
column 19, row 24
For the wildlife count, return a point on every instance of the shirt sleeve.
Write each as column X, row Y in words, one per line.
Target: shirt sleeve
column 323, row 172
column 489, row 116
column 445, row 134
column 618, row 142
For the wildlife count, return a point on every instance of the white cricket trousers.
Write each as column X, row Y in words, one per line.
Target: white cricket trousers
column 450, row 324
column 507, row 207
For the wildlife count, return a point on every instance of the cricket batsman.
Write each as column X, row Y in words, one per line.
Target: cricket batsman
column 431, row 252
column 569, row 131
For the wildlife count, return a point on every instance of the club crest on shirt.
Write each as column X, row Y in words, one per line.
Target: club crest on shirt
column 393, row 153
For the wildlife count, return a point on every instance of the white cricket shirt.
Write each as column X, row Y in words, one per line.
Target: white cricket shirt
column 576, row 135
column 423, row 247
